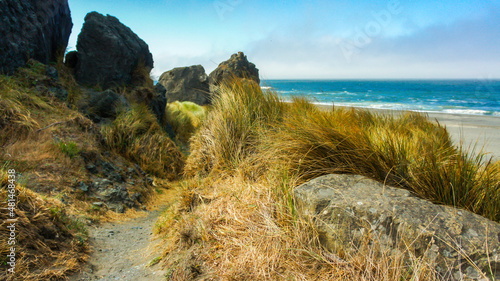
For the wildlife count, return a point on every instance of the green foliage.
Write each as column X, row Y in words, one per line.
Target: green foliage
column 69, row 148
column 185, row 118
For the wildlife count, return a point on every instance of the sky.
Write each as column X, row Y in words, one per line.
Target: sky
column 316, row 39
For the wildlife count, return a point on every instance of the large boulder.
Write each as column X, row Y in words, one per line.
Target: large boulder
column 237, row 66
column 36, row 29
column 109, row 53
column 186, row 84
column 351, row 210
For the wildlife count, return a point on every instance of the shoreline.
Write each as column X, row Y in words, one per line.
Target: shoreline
column 481, row 131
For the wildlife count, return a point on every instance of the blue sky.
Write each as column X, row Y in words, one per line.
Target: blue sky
column 316, row 39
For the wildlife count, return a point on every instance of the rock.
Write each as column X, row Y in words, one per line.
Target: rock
column 52, row 72
column 98, row 204
column 159, row 89
column 71, row 59
column 109, row 53
column 347, row 209
column 111, row 194
column 33, row 29
column 105, row 105
column 136, row 197
column 92, row 168
column 237, row 66
column 186, row 84
column 83, row 187
column 60, row 93
column 152, row 99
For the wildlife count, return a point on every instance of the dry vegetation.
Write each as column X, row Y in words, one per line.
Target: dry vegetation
column 49, row 144
column 137, row 135
column 235, row 218
column 49, row 244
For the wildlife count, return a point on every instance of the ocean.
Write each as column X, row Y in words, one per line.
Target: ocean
column 472, row 97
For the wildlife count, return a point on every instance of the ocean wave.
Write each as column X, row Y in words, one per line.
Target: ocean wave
column 265, row 87
column 467, row 111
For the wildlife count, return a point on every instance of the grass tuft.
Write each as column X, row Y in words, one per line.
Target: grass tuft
column 185, row 118
column 137, row 135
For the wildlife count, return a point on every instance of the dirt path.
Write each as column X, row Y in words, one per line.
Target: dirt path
column 122, row 251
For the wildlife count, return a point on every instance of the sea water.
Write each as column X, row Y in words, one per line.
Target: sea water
column 473, row 97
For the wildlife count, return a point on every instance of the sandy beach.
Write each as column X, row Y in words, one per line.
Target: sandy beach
column 479, row 131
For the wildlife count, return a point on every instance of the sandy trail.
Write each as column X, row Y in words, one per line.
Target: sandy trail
column 123, row 251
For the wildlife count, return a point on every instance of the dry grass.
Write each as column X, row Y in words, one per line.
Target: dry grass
column 49, row 244
column 51, row 144
column 236, row 219
column 137, row 135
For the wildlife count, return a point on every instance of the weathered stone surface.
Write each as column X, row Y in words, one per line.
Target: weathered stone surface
column 36, row 29
column 237, row 66
column 109, row 52
column 347, row 209
column 186, row 84
column 105, row 105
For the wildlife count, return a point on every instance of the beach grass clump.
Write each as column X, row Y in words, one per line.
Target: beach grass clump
column 48, row 243
column 137, row 135
column 185, row 118
column 231, row 132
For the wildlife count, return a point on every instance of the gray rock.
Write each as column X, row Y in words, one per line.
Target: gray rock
column 347, row 209
column 111, row 194
column 109, row 52
column 186, row 84
column 98, row 204
column 136, row 197
column 92, row 168
column 105, row 105
column 237, row 66
column 60, row 93
column 33, row 29
column 83, row 187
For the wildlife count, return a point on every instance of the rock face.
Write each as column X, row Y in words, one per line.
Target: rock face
column 237, row 66
column 186, row 84
column 37, row 29
column 105, row 105
column 109, row 53
column 347, row 209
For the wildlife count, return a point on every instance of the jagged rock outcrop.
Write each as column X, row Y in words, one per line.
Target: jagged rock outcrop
column 186, row 84
column 36, row 29
column 237, row 66
column 348, row 209
column 109, row 53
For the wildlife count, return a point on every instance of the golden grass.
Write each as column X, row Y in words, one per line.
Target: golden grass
column 236, row 219
column 49, row 244
column 137, row 135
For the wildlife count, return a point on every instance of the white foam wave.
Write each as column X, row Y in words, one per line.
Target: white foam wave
column 467, row 111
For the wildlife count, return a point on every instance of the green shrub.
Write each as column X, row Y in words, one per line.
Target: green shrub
column 185, row 118
column 69, row 148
